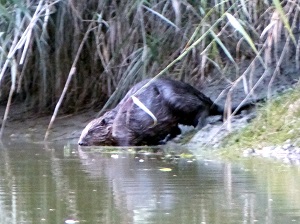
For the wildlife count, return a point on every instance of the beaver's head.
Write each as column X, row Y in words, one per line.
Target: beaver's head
column 98, row 132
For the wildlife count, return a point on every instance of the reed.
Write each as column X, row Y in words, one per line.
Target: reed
column 126, row 41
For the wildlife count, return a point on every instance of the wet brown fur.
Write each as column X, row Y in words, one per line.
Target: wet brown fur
column 172, row 102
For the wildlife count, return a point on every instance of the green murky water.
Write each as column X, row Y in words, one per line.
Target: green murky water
column 57, row 184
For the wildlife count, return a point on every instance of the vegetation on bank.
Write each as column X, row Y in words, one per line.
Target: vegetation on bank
column 71, row 55
column 277, row 122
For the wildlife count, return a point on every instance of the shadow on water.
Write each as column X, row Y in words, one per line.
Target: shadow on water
column 66, row 184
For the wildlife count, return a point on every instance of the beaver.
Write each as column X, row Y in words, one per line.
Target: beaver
column 168, row 103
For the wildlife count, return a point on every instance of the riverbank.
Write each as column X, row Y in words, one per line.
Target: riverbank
column 269, row 131
column 274, row 133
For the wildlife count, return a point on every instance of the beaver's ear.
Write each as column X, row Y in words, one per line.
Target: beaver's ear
column 109, row 128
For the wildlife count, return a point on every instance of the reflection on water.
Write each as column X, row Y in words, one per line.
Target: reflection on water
column 67, row 185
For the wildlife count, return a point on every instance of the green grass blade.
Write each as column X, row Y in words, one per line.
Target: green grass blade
column 236, row 24
column 284, row 19
column 217, row 39
column 161, row 16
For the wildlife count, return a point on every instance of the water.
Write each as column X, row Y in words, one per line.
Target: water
column 61, row 184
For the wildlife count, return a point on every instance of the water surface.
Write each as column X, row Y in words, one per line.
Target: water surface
column 63, row 184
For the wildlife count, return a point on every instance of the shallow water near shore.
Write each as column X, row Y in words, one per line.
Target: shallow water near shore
column 63, row 184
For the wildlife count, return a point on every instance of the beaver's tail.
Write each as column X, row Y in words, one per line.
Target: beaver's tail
column 216, row 109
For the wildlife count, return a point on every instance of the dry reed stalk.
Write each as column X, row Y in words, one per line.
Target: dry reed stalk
column 71, row 74
column 18, row 43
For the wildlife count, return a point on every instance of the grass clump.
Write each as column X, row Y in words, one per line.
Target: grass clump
column 277, row 121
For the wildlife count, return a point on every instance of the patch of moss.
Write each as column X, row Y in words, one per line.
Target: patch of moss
column 277, row 122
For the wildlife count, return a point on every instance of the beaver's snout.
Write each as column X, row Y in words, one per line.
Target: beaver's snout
column 82, row 143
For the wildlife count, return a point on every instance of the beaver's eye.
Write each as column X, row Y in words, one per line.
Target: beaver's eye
column 103, row 122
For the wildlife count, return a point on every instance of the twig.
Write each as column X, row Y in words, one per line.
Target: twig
column 12, row 90
column 71, row 73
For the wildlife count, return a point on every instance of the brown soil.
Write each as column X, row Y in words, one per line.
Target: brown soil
column 27, row 127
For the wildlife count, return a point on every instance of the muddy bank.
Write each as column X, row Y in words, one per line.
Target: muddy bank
column 25, row 126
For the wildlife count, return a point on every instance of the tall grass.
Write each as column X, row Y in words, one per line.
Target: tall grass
column 127, row 41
